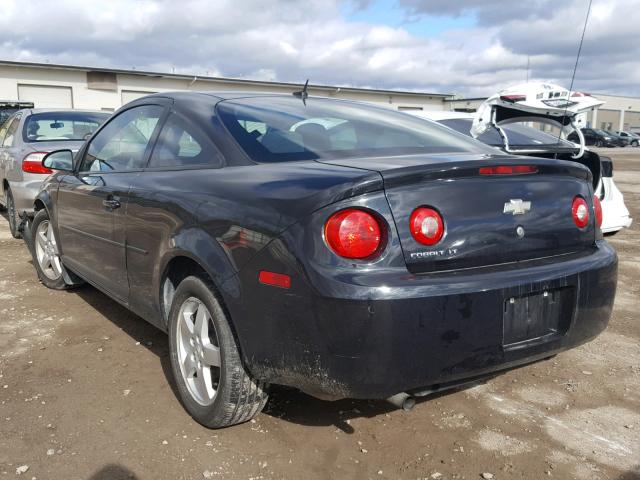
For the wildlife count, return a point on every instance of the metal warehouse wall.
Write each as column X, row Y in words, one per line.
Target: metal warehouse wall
column 608, row 119
column 72, row 87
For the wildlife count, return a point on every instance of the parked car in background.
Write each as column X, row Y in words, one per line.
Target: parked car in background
column 597, row 138
column 633, row 138
column 531, row 141
column 624, row 141
column 340, row 248
column 25, row 138
column 9, row 107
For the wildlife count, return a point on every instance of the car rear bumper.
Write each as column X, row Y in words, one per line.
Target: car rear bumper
column 615, row 214
column 343, row 340
column 617, row 223
column 25, row 192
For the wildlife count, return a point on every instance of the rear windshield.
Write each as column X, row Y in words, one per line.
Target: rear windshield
column 276, row 129
column 52, row 126
column 517, row 134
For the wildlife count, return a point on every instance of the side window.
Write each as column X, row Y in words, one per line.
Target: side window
column 122, row 144
column 12, row 128
column 182, row 144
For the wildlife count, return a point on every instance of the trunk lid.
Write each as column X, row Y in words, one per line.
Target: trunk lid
column 481, row 228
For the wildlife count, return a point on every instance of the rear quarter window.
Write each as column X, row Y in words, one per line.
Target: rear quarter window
column 11, row 131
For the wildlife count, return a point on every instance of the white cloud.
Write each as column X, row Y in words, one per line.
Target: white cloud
column 290, row 40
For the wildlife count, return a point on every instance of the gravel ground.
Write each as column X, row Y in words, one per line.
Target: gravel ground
column 84, row 394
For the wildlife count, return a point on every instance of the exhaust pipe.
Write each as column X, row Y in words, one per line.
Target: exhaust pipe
column 406, row 401
column 402, row 400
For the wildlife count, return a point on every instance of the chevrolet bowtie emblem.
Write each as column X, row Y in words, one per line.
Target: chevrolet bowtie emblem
column 517, row 207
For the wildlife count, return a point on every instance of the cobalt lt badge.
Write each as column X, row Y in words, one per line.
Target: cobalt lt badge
column 516, row 207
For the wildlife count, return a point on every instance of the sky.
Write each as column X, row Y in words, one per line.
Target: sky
column 465, row 47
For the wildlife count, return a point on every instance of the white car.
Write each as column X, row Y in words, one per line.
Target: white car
column 525, row 140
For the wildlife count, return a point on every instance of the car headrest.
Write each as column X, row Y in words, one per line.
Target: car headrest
column 314, row 137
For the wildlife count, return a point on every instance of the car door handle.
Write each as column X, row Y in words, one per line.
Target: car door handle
column 111, row 204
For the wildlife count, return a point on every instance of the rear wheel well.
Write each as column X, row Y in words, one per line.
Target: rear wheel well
column 177, row 270
column 38, row 205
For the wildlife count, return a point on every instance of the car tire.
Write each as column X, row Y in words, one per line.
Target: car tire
column 51, row 272
column 634, row 143
column 12, row 214
column 215, row 388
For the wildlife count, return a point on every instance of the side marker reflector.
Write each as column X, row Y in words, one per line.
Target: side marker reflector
column 274, row 279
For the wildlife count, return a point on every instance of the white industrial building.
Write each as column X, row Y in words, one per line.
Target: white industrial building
column 66, row 86
column 63, row 86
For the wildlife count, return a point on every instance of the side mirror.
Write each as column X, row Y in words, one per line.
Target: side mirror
column 59, row 160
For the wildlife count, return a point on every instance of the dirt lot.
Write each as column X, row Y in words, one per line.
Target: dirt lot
column 84, row 393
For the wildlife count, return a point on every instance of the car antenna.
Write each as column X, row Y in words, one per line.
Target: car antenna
column 303, row 94
column 575, row 67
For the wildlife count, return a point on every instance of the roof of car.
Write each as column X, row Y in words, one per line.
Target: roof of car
column 235, row 94
column 213, row 97
column 231, row 95
column 52, row 110
column 217, row 95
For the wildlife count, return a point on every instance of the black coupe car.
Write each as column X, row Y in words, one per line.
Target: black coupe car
column 340, row 248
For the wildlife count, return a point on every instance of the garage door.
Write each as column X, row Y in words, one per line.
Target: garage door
column 131, row 95
column 46, row 96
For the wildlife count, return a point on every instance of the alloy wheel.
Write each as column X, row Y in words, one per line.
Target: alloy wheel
column 47, row 251
column 198, row 351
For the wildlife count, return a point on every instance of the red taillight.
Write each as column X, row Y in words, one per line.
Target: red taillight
column 597, row 207
column 580, row 212
column 275, row 279
column 353, row 233
column 508, row 170
column 32, row 163
column 513, row 98
column 426, row 225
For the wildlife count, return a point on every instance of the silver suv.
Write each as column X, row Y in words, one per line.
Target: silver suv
column 25, row 138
